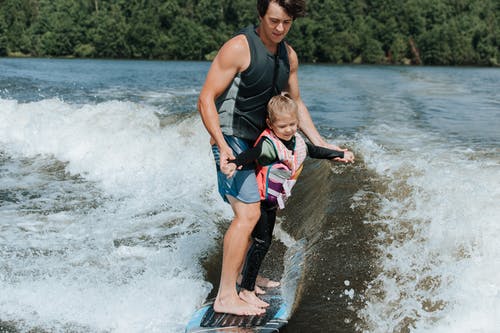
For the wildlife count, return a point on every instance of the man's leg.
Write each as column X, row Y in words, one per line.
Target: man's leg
column 236, row 242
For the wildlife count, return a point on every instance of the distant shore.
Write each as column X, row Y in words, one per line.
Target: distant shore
column 354, row 63
column 437, row 33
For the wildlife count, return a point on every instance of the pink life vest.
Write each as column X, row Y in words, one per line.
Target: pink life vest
column 277, row 179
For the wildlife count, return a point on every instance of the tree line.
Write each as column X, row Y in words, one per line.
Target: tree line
column 430, row 32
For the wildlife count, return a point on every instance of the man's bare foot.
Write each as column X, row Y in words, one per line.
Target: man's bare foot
column 250, row 297
column 237, row 306
column 265, row 282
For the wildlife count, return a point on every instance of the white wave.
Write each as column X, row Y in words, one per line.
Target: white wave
column 438, row 234
column 119, row 144
column 107, row 213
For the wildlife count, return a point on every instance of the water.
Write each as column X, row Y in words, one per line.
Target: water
column 109, row 209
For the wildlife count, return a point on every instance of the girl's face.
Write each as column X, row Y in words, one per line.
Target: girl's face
column 285, row 125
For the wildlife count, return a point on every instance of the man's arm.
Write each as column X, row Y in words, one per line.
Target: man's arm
column 232, row 58
column 305, row 121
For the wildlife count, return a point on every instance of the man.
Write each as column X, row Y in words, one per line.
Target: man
column 248, row 70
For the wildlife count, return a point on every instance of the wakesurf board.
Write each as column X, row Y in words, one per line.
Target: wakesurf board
column 205, row 319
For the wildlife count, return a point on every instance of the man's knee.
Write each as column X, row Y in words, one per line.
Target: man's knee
column 253, row 214
column 246, row 213
column 248, row 219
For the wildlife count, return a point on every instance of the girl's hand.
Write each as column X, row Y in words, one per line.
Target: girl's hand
column 348, row 157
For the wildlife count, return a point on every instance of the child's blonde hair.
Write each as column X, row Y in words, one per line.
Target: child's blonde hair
column 282, row 103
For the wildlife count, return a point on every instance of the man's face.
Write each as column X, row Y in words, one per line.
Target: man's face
column 276, row 23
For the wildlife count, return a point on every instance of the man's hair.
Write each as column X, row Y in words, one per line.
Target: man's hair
column 282, row 103
column 294, row 8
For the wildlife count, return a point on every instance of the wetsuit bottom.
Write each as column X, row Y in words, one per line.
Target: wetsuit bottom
column 262, row 237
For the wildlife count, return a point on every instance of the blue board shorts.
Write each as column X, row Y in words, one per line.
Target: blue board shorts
column 243, row 184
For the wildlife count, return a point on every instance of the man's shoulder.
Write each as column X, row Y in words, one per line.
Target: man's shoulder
column 289, row 48
column 235, row 52
column 237, row 41
column 237, row 45
column 292, row 55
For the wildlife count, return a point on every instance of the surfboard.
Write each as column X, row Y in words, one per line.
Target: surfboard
column 281, row 303
column 275, row 317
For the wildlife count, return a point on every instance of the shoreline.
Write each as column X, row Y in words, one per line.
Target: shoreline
column 353, row 64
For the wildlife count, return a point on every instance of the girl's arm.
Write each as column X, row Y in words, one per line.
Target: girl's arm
column 323, row 152
column 245, row 158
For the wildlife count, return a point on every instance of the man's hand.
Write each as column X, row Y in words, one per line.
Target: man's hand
column 231, row 169
column 226, row 154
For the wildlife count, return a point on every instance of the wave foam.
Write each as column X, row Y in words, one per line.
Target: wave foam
column 106, row 216
column 438, row 239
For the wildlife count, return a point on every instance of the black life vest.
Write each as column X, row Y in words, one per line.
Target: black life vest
column 242, row 107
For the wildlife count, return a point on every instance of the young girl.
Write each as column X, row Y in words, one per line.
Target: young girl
column 279, row 152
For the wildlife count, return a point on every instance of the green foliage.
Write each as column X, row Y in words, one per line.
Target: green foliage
column 3, row 38
column 84, row 51
column 443, row 32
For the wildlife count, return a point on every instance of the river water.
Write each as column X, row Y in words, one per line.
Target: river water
column 110, row 219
